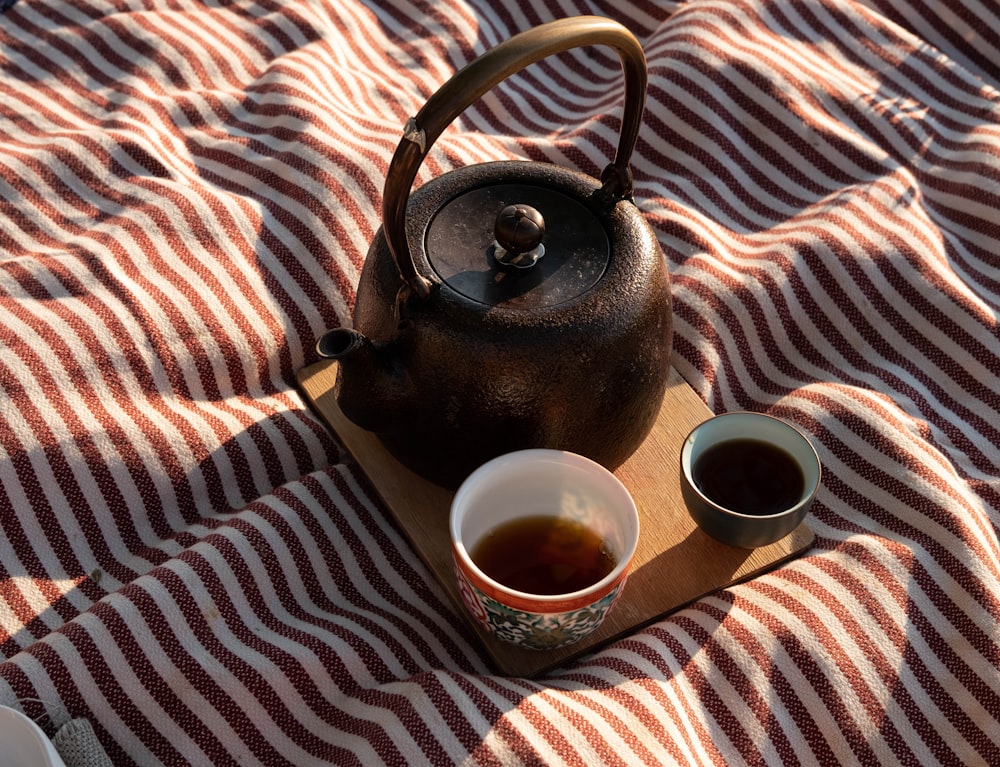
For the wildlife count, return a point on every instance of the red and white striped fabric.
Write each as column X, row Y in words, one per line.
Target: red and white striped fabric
column 190, row 561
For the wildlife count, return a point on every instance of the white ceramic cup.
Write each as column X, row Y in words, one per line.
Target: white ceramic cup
column 23, row 744
column 748, row 530
column 541, row 482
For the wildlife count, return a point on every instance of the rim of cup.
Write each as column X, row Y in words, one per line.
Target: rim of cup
column 812, row 470
column 492, row 472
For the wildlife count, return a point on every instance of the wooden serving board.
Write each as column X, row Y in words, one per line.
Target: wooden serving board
column 675, row 563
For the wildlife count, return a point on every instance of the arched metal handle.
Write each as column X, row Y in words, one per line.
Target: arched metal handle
column 478, row 77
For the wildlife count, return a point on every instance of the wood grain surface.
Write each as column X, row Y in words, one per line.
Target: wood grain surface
column 675, row 562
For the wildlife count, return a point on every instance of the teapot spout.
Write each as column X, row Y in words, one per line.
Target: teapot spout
column 340, row 342
column 369, row 387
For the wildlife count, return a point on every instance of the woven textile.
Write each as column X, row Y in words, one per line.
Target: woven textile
column 78, row 746
column 190, row 561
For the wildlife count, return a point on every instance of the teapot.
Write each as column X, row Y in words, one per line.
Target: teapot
column 509, row 304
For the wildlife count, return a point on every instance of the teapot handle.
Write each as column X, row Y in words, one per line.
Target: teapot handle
column 478, row 77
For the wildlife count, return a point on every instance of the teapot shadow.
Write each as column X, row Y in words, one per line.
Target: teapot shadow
column 678, row 574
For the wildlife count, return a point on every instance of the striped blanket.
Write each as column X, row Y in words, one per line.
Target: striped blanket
column 192, row 563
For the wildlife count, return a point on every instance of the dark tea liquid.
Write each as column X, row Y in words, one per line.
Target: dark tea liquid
column 749, row 476
column 543, row 555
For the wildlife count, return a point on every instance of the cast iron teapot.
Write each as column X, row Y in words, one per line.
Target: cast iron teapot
column 510, row 304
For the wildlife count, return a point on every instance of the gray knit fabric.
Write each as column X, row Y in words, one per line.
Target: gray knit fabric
column 78, row 746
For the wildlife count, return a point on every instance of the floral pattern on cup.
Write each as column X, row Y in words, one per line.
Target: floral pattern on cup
column 535, row 631
column 470, row 599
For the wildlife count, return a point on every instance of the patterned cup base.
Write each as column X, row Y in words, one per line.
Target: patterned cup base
column 535, row 631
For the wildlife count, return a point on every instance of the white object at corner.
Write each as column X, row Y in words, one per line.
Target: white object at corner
column 24, row 743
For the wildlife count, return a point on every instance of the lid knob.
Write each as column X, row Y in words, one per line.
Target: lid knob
column 518, row 230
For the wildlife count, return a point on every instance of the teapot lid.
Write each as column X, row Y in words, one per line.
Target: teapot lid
column 517, row 245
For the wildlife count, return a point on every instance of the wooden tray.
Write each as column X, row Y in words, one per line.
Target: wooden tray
column 675, row 563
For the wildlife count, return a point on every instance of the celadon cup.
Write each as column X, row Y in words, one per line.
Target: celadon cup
column 748, row 530
column 537, row 482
